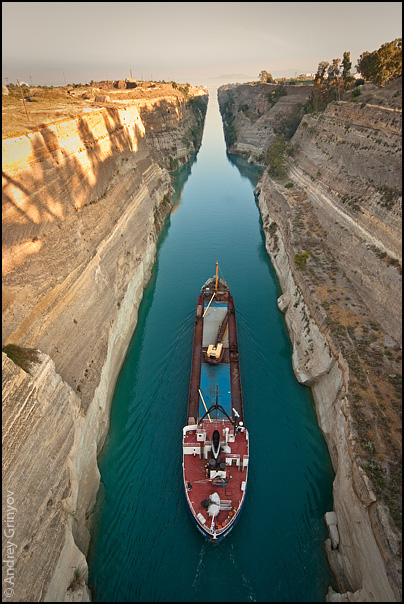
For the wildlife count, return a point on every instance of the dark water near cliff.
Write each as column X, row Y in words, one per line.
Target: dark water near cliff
column 145, row 547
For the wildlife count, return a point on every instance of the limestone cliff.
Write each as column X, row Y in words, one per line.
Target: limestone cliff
column 83, row 202
column 333, row 231
column 253, row 114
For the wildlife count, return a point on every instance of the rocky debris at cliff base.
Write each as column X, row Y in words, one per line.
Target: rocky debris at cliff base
column 332, row 525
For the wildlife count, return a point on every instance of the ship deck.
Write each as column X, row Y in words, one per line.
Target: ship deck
column 199, row 486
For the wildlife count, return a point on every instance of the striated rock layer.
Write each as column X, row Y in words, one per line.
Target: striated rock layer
column 333, row 232
column 253, row 114
column 83, row 202
column 364, row 551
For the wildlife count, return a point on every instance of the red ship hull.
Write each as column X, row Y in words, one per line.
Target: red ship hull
column 215, row 440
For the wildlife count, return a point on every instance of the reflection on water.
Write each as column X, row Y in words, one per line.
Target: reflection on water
column 246, row 169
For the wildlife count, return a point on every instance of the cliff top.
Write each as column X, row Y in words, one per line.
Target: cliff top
column 46, row 105
column 389, row 96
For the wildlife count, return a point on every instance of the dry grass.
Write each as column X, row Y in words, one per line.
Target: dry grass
column 43, row 107
column 47, row 105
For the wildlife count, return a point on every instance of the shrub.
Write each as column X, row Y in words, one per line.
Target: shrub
column 275, row 157
column 243, row 107
column 301, row 260
column 230, row 135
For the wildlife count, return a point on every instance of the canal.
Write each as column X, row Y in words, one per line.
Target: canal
column 144, row 545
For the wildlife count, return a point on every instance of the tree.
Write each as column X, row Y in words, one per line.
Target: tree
column 333, row 80
column 265, row 77
column 321, row 71
column 390, row 62
column 382, row 65
column 368, row 65
column 333, row 69
column 319, row 96
column 346, row 69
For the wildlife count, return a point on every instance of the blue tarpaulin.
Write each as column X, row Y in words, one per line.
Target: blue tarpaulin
column 212, row 375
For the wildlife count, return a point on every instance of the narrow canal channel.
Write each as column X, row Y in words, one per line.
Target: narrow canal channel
column 144, row 546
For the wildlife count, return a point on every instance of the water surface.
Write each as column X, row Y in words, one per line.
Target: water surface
column 145, row 547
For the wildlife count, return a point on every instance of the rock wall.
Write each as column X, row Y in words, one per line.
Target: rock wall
column 253, row 114
column 170, row 152
column 364, row 545
column 42, row 424
column 352, row 156
column 83, row 202
column 333, row 232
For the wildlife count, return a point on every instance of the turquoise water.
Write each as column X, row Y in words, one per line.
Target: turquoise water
column 144, row 546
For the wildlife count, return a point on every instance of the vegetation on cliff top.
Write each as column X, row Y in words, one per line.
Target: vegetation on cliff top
column 382, row 65
column 333, row 79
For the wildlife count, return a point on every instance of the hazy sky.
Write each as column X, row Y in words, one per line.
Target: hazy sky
column 197, row 42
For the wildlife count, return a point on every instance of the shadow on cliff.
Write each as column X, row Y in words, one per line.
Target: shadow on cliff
column 56, row 185
column 119, row 136
column 162, row 112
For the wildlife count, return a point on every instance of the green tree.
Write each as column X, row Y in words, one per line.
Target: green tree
column 333, row 69
column 368, row 65
column 390, row 61
column 321, row 71
column 382, row 65
column 319, row 97
column 346, row 69
column 333, row 81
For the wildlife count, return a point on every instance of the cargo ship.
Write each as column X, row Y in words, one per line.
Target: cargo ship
column 215, row 439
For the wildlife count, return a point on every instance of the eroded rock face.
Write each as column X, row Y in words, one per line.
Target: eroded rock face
column 78, row 221
column 333, row 232
column 360, row 550
column 83, row 202
column 253, row 114
column 42, row 421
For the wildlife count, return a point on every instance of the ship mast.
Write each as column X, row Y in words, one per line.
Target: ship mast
column 217, row 269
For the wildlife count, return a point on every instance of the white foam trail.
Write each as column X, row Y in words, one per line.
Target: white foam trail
column 200, row 565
